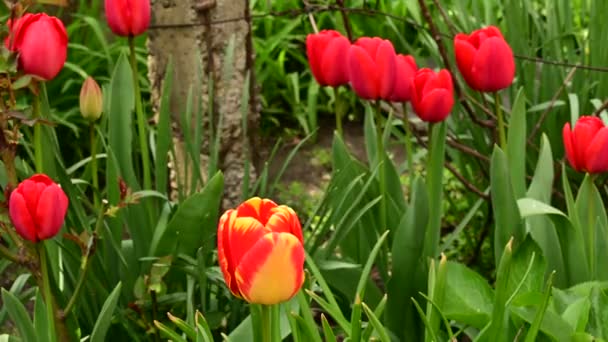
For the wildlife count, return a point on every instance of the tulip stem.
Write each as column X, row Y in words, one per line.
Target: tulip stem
column 38, row 160
column 266, row 323
column 409, row 149
column 591, row 229
column 46, row 289
column 141, row 123
column 84, row 266
column 501, row 122
column 380, row 160
column 94, row 176
column 338, row 111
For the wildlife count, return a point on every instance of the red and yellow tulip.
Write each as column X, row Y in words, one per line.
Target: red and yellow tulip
column 261, row 252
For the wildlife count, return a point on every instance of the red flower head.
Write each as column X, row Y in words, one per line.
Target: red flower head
column 406, row 70
column 42, row 44
column 128, row 17
column 37, row 208
column 432, row 94
column 260, row 251
column 587, row 145
column 485, row 59
column 372, row 68
column 326, row 51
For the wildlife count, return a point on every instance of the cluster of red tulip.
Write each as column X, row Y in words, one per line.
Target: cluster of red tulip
column 37, row 207
column 376, row 72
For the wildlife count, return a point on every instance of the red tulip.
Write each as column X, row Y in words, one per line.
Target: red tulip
column 326, row 51
column 128, row 17
column 485, row 59
column 432, row 94
column 587, row 145
column 42, row 44
column 372, row 68
column 260, row 251
column 406, row 70
column 37, row 208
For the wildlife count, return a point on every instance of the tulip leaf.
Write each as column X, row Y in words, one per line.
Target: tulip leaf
column 194, row 224
column 468, row 297
column 19, row 315
column 105, row 316
column 507, row 217
column 119, row 109
column 407, row 278
column 516, row 146
column 594, row 224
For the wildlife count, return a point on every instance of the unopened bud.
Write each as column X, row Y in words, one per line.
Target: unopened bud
column 91, row 100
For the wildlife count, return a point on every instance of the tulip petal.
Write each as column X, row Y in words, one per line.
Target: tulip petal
column 465, row 56
column 21, row 217
column 50, row 212
column 386, row 61
column 117, row 16
column 435, row 106
column 333, row 68
column 285, row 220
column 258, row 208
column 584, row 131
column 569, row 147
column 272, row 271
column 596, row 156
column 139, row 16
column 362, row 73
column 223, row 250
column 406, row 70
column 315, row 44
column 494, row 66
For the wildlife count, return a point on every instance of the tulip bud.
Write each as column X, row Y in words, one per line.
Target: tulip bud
column 37, row 208
column 432, row 94
column 587, row 145
column 326, row 51
column 91, row 100
column 485, row 59
column 260, row 250
column 128, row 17
column 41, row 42
column 372, row 64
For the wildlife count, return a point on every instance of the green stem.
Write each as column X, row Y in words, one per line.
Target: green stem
column 275, row 316
column 46, row 289
column 94, row 175
column 501, row 122
column 38, row 160
column 380, row 160
column 408, row 145
column 86, row 261
column 591, row 225
column 266, row 323
column 338, row 110
column 141, row 123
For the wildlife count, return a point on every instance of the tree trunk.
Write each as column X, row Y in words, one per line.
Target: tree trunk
column 187, row 31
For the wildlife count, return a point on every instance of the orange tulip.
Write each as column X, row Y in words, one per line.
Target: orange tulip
column 261, row 252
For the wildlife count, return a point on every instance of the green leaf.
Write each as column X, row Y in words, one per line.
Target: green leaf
column 194, row 224
column 375, row 322
column 535, row 327
column 327, row 332
column 105, row 316
column 41, row 323
column 516, row 146
column 468, row 297
column 407, row 278
column 19, row 315
column 498, row 327
column 594, row 225
column 435, row 188
column 168, row 332
column 120, row 113
column 508, row 221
